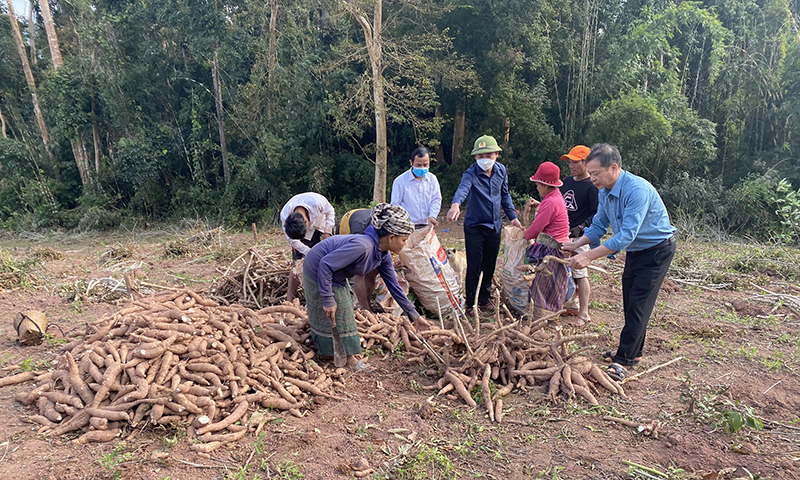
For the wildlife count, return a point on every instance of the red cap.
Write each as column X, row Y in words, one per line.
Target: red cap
column 548, row 173
column 578, row 153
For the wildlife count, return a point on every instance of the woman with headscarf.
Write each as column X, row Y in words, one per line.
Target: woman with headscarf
column 548, row 290
column 329, row 265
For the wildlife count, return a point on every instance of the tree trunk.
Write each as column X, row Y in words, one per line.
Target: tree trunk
column 37, row 112
column 80, row 158
column 273, row 24
column 437, row 112
column 98, row 153
column 372, row 37
column 459, row 125
column 78, row 149
column 376, row 54
column 2, row 124
column 32, row 35
column 220, row 120
column 52, row 38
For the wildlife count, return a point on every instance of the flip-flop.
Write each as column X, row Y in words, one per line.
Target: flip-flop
column 363, row 367
column 616, row 372
column 608, row 356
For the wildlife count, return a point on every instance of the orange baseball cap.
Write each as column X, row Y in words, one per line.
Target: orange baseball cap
column 578, row 153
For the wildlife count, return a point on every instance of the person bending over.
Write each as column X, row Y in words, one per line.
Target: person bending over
column 307, row 219
column 331, row 262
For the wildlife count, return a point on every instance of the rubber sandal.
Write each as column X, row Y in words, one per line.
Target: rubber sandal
column 608, row 356
column 616, row 372
column 571, row 312
column 362, row 367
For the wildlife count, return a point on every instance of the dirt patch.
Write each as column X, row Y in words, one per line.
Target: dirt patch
column 739, row 355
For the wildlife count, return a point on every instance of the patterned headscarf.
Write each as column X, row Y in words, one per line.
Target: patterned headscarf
column 393, row 218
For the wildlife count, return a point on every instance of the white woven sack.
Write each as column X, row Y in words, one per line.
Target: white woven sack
column 429, row 274
column 512, row 255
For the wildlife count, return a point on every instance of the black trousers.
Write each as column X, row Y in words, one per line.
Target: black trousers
column 641, row 280
column 482, row 245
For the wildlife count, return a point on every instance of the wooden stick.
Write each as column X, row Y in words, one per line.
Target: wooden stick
column 646, row 469
column 162, row 287
column 463, row 334
column 543, row 321
column 496, row 332
column 649, row 370
column 547, row 258
column 621, row 421
column 496, row 310
column 428, row 347
column 439, row 306
column 580, row 351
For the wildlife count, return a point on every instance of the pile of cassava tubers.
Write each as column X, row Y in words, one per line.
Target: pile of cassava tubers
column 178, row 358
column 491, row 353
column 181, row 359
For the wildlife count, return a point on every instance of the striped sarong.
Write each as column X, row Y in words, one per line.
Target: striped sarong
column 321, row 325
column 547, row 292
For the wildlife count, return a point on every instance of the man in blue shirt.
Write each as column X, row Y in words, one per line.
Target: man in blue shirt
column 630, row 205
column 485, row 188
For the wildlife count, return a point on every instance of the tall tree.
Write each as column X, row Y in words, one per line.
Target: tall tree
column 223, row 146
column 52, row 36
column 373, row 36
column 78, row 148
column 26, row 68
column 32, row 34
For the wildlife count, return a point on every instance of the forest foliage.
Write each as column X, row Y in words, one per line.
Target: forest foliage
column 161, row 109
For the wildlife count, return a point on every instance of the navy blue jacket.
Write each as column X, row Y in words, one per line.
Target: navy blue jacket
column 486, row 196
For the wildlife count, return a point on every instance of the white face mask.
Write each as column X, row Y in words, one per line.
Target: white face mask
column 485, row 163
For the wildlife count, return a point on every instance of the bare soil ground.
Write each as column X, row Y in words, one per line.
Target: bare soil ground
column 741, row 363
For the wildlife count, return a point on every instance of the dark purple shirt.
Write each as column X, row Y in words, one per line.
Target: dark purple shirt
column 337, row 258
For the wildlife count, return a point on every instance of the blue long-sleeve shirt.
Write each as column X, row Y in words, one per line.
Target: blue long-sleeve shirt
column 486, row 196
column 635, row 212
column 337, row 258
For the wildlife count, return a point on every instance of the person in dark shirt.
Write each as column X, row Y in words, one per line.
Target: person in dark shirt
column 484, row 186
column 580, row 197
column 355, row 222
column 330, row 263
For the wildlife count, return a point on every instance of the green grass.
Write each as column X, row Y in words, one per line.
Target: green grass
column 114, row 459
column 288, row 470
column 709, row 406
column 428, row 462
column 16, row 273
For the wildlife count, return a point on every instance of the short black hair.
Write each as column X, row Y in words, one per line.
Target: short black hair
column 420, row 152
column 295, row 226
column 605, row 154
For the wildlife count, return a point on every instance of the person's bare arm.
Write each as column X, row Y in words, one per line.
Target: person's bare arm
column 581, row 260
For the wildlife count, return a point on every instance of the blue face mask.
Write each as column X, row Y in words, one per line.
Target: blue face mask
column 420, row 172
